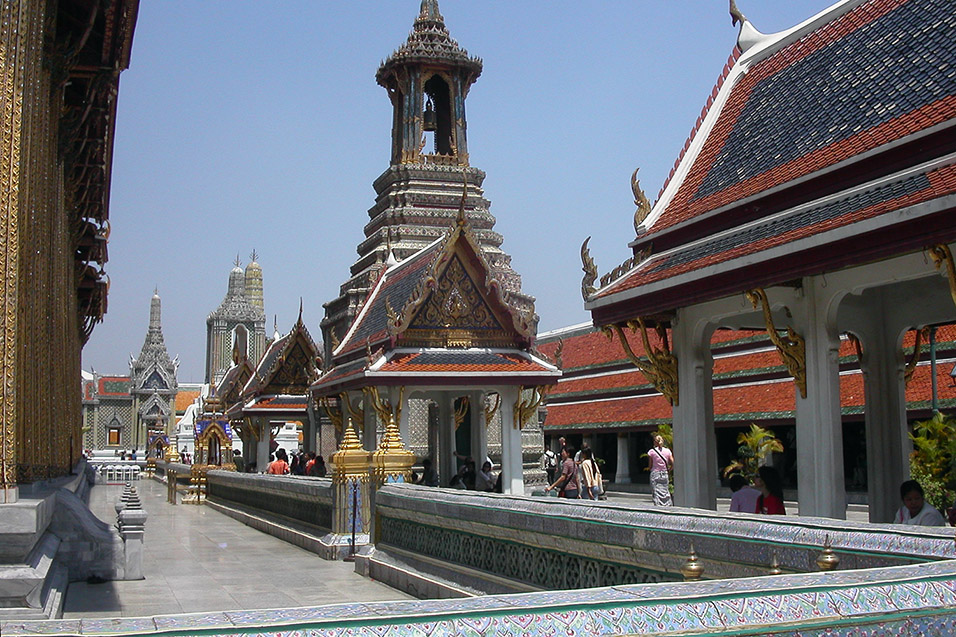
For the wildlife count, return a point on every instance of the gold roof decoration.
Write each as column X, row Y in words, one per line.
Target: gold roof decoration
column 460, row 294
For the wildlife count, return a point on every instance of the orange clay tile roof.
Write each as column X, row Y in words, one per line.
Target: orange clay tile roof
column 184, row 399
column 461, row 361
column 275, row 403
column 624, row 399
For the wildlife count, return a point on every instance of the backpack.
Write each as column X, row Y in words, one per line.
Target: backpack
column 549, row 460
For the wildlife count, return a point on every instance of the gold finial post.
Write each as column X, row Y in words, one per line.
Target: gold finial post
column 775, row 565
column 692, row 570
column 828, row 560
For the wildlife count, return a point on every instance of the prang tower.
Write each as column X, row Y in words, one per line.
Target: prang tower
column 419, row 195
column 238, row 326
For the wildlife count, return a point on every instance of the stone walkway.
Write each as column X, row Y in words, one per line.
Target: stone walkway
column 198, row 560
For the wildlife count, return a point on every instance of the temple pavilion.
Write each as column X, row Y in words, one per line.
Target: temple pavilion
column 814, row 200
column 431, row 226
column 436, row 327
column 261, row 401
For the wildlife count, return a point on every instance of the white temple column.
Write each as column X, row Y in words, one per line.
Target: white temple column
column 369, row 423
column 879, row 319
column 623, row 474
column 446, row 437
column 513, row 475
column 479, row 429
column 887, row 445
column 821, row 487
column 263, row 438
column 695, row 444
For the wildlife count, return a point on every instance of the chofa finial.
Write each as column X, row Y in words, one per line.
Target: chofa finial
column 640, row 200
column 735, row 14
column 748, row 36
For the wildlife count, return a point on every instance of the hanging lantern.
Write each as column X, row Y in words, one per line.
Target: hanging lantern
column 431, row 119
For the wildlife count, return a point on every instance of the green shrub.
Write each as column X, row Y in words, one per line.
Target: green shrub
column 933, row 457
column 755, row 446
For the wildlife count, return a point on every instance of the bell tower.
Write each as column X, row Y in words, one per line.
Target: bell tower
column 427, row 80
column 418, row 197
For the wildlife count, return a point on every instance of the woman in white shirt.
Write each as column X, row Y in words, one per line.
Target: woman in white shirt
column 916, row 510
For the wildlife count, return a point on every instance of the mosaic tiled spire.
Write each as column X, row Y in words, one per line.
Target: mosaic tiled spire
column 154, row 347
column 418, row 196
column 253, row 282
column 238, row 323
column 153, row 383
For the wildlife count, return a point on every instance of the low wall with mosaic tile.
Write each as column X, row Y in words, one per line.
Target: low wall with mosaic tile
column 298, row 499
column 898, row 601
column 499, row 544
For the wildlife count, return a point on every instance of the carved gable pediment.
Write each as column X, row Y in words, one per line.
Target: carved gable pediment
column 232, row 393
column 155, row 381
column 296, row 368
column 458, row 303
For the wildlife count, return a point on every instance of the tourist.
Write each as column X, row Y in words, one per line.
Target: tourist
column 744, row 498
column 770, row 484
column 549, row 463
column 132, row 455
column 593, row 482
column 660, row 461
column 578, row 459
column 429, row 475
column 238, row 460
column 309, row 463
column 568, row 480
column 279, row 466
column 484, row 480
column 469, row 474
column 916, row 510
column 318, row 469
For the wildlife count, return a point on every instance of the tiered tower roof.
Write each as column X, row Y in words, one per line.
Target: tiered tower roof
column 429, row 41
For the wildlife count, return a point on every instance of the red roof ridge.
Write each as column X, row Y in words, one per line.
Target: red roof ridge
column 731, row 61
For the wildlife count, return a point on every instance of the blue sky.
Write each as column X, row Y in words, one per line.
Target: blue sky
column 246, row 125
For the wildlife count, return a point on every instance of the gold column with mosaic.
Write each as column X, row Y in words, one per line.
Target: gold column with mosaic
column 391, row 462
column 351, row 509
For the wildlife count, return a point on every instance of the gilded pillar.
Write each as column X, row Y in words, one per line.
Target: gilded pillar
column 351, row 510
column 10, row 126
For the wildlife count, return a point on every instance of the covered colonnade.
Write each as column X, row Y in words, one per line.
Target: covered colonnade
column 815, row 199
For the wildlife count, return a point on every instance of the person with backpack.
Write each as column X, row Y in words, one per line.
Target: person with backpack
column 549, row 463
column 593, row 482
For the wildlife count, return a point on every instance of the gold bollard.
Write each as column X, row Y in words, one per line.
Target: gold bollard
column 775, row 565
column 692, row 570
column 827, row 560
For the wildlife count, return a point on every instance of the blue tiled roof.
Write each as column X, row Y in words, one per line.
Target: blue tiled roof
column 894, row 65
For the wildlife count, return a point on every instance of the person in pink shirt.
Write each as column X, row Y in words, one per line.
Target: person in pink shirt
column 660, row 461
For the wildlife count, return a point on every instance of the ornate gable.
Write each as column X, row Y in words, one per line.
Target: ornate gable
column 458, row 303
column 289, row 366
column 295, row 369
column 230, row 388
column 155, row 381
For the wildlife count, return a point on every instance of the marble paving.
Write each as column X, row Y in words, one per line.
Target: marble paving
column 199, row 560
